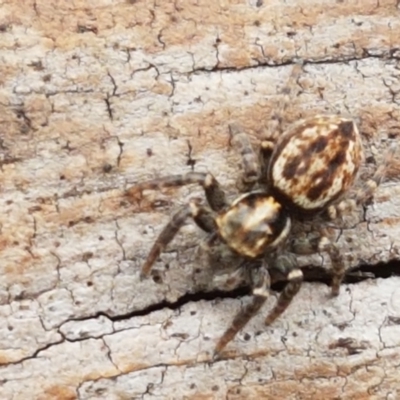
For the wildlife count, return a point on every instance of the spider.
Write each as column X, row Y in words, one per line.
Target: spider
column 306, row 172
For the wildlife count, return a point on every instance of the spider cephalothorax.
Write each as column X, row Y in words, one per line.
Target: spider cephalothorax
column 306, row 171
column 254, row 224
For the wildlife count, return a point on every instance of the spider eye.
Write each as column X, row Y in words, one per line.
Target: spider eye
column 254, row 224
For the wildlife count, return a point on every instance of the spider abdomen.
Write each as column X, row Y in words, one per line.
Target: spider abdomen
column 315, row 162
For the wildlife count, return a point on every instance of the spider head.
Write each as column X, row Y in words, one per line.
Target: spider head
column 254, row 224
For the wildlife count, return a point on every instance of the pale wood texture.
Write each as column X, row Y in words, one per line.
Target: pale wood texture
column 96, row 95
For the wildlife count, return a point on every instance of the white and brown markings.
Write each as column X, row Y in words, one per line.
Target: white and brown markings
column 305, row 171
column 253, row 224
column 315, row 162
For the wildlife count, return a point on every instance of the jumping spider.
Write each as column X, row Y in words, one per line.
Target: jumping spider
column 307, row 172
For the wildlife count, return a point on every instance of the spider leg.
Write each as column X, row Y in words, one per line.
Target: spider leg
column 214, row 194
column 251, row 169
column 201, row 216
column 285, row 265
column 275, row 123
column 369, row 188
column 260, row 282
column 266, row 149
column 316, row 245
column 367, row 191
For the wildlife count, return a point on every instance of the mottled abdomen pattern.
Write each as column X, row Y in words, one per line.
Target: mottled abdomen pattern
column 315, row 162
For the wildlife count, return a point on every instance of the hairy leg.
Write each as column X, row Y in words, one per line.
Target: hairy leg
column 275, row 125
column 287, row 266
column 251, row 167
column 200, row 215
column 367, row 191
column 261, row 282
column 316, row 245
column 214, row 194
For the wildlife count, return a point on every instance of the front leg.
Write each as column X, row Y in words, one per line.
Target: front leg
column 261, row 283
column 214, row 194
column 285, row 265
column 200, row 215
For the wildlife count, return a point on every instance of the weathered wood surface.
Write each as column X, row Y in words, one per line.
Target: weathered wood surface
column 97, row 95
